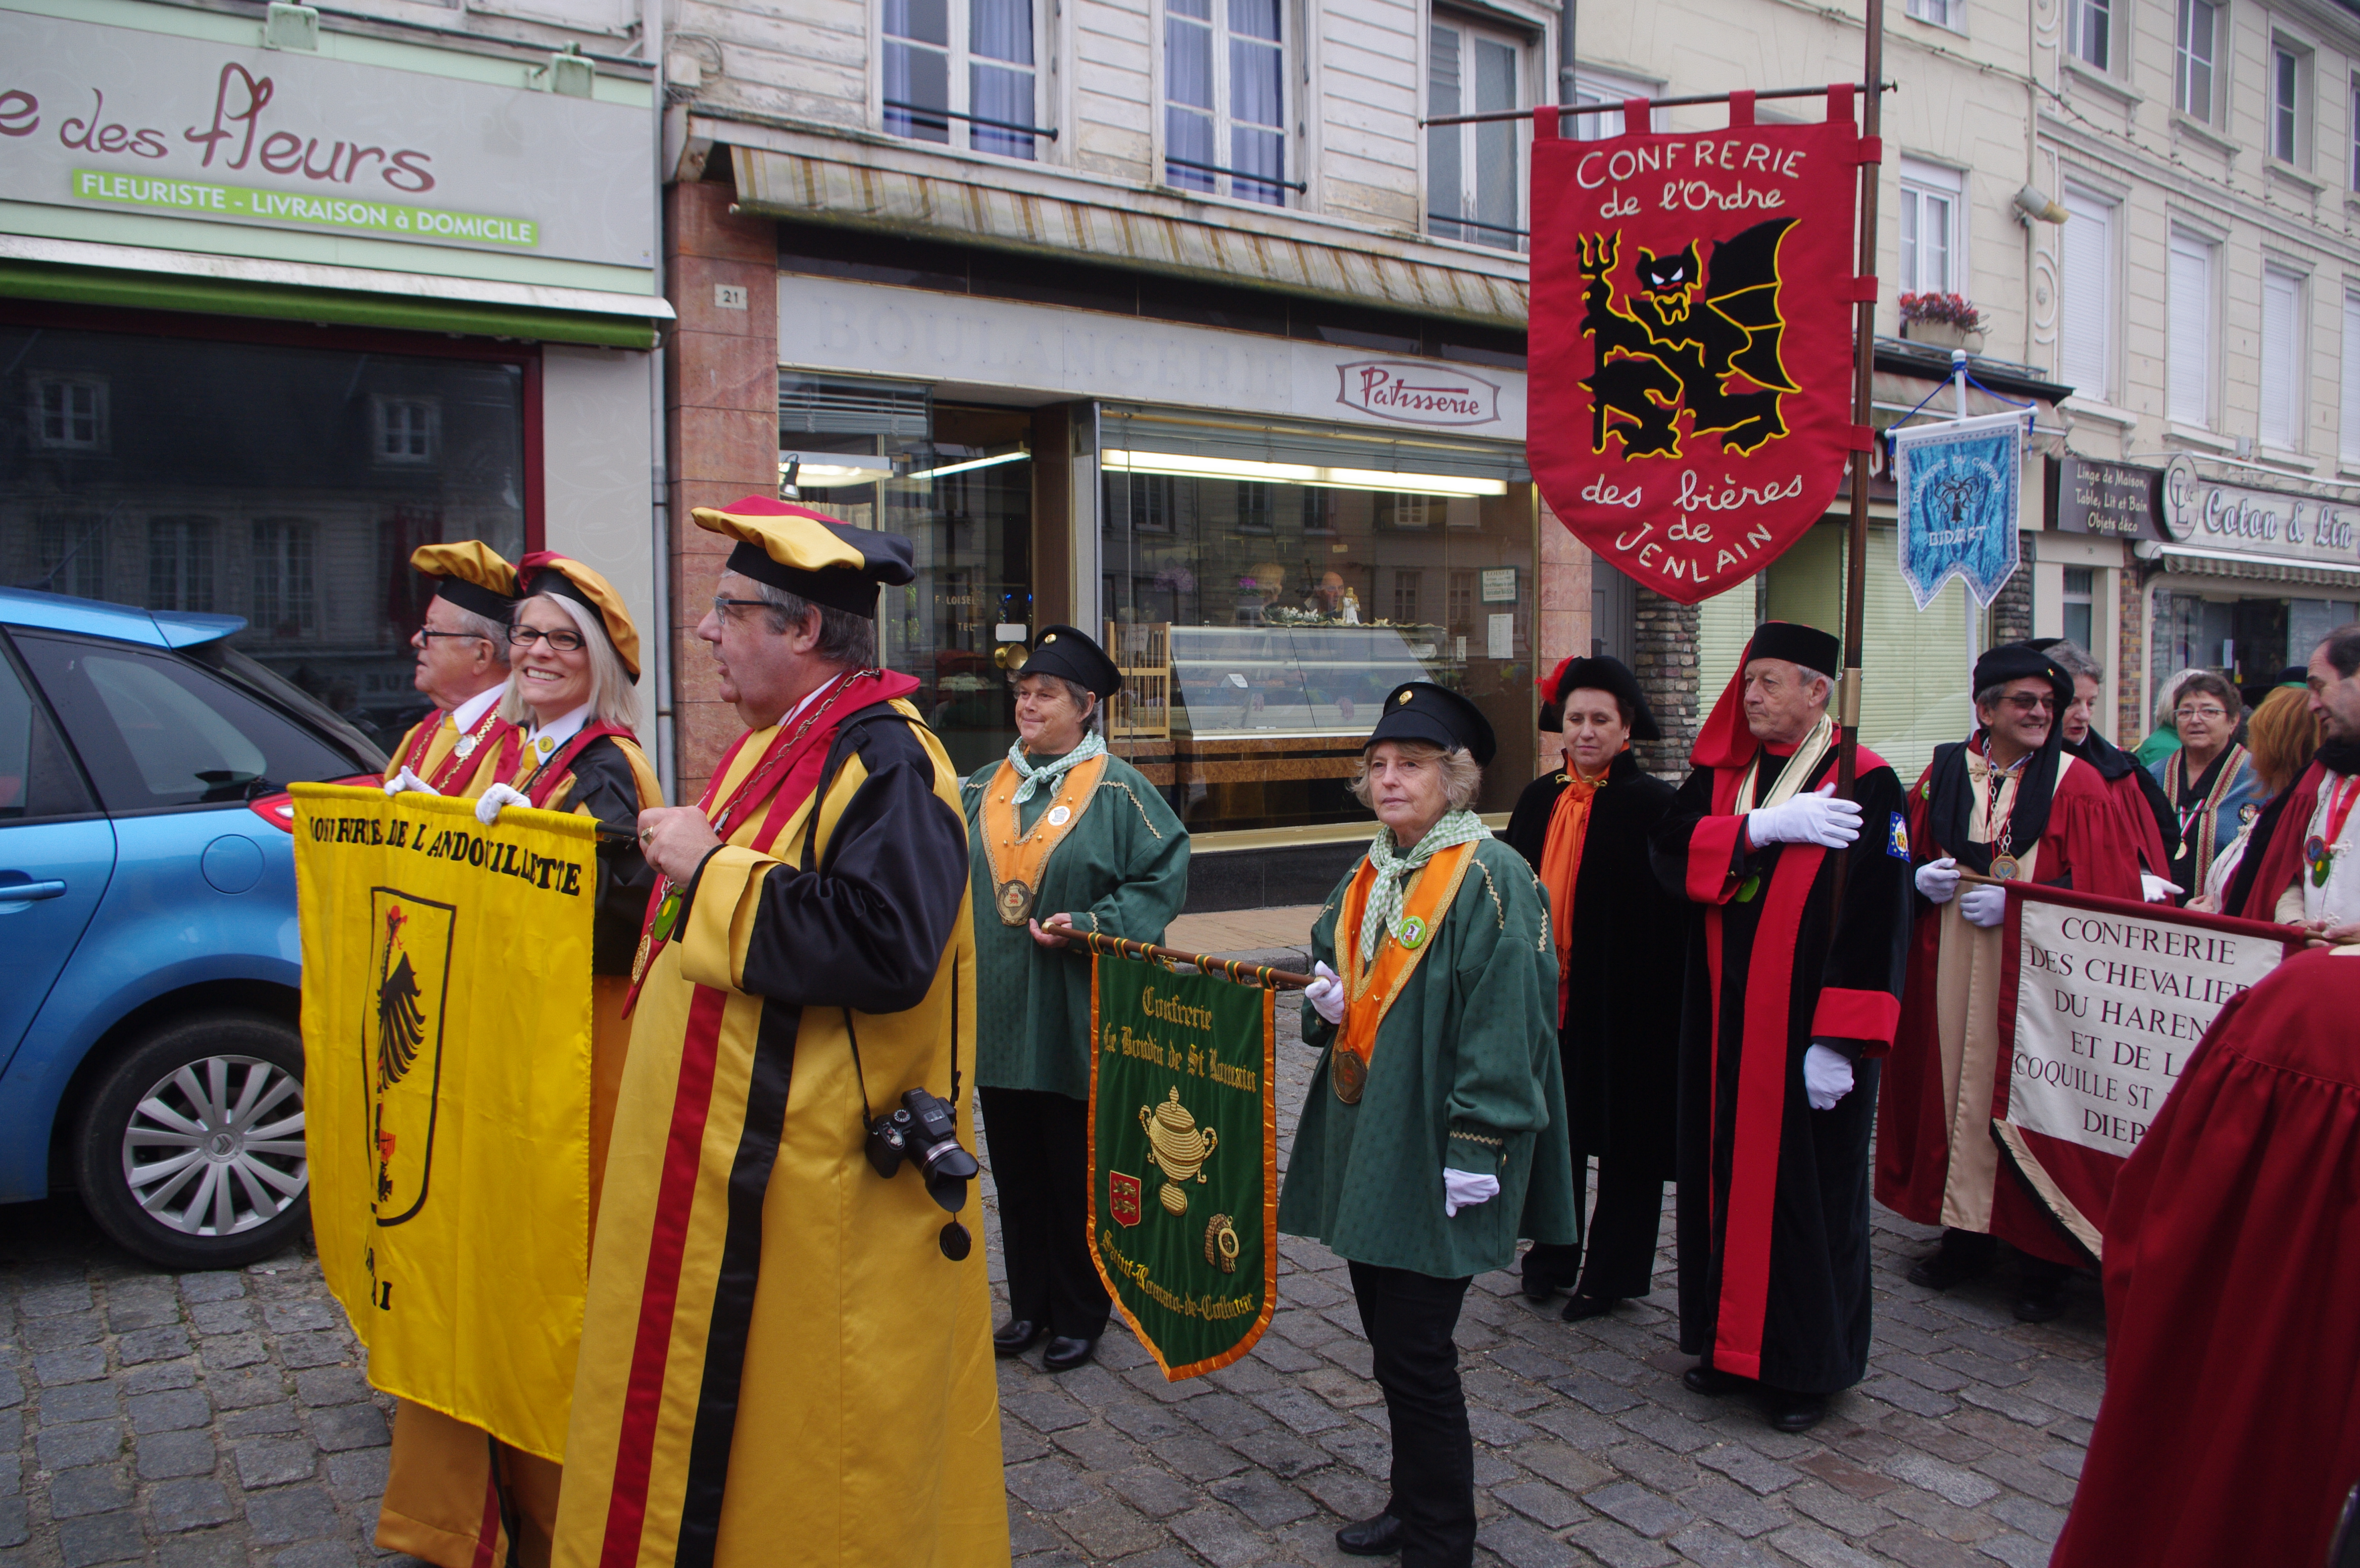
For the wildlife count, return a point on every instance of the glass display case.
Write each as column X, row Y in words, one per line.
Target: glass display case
column 1327, row 680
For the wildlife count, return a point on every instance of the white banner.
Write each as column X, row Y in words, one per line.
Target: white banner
column 2109, row 1007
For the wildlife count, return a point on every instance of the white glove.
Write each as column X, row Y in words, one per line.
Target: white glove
column 1984, row 905
column 1827, row 1077
column 2155, row 890
column 1938, row 880
column 1815, row 819
column 406, row 780
column 488, row 804
column 1326, row 994
column 1464, row 1190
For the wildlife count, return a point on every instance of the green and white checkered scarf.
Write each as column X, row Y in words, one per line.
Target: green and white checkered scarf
column 1093, row 744
column 1394, row 865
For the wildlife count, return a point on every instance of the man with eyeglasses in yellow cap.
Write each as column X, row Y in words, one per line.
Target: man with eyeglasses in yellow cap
column 462, row 667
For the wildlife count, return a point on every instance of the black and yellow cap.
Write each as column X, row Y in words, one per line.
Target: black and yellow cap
column 546, row 572
column 810, row 555
column 471, row 575
column 1420, row 710
column 1068, row 651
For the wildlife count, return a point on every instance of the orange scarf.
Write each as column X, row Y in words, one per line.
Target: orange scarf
column 1371, row 984
column 1568, row 829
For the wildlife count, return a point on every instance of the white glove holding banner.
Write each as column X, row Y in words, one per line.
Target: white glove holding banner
column 1326, row 994
column 1827, row 1077
column 411, row 783
column 2155, row 890
column 1465, row 1190
column 488, row 804
column 1938, row 880
column 1815, row 819
column 1984, row 905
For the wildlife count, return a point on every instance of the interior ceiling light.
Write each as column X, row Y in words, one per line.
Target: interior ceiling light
column 1300, row 474
column 1019, row 455
column 832, row 470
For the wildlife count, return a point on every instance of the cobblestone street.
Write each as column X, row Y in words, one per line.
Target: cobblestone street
column 207, row 1420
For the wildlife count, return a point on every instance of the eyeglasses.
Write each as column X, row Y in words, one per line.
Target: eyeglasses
column 723, row 604
column 2026, row 702
column 2202, row 713
column 563, row 641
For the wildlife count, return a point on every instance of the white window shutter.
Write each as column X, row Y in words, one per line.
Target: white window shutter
column 2350, row 412
column 2189, row 326
column 2280, row 359
column 2085, row 314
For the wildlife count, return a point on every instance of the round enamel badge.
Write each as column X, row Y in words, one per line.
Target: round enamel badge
column 1411, row 933
column 1060, row 815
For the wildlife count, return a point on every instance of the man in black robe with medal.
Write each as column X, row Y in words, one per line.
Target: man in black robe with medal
column 1792, row 994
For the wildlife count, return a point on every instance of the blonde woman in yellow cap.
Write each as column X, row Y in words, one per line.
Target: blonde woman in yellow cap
column 463, row 666
column 574, row 656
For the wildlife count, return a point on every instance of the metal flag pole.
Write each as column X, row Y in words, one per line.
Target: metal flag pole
column 1863, row 370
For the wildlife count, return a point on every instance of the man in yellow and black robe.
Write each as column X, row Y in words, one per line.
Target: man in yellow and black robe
column 462, row 667
column 787, row 1355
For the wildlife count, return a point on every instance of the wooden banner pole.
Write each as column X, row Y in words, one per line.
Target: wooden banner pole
column 1227, row 968
column 1864, row 373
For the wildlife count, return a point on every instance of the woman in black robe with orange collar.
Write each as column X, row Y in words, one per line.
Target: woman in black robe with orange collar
column 1620, row 948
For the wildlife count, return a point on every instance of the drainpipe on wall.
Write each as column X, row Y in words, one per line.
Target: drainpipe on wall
column 667, row 758
column 1566, row 90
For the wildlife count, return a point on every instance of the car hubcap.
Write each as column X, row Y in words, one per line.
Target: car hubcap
column 217, row 1146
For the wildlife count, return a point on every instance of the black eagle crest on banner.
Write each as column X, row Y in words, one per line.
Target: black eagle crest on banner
column 401, row 1024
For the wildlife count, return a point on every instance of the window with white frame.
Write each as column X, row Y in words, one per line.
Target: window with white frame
column 962, row 73
column 2282, row 358
column 1609, row 93
column 2348, row 446
column 68, row 412
column 2085, row 305
column 1942, row 13
column 2188, row 331
column 1225, row 98
column 2079, row 604
column 2356, row 134
column 2290, row 100
column 284, row 601
column 408, row 432
column 2196, row 40
column 181, row 563
column 1929, row 228
column 2090, row 33
column 1474, row 183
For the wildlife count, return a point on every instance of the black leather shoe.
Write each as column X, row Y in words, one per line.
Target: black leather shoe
column 1063, row 1355
column 1582, row 1304
column 1794, row 1412
column 1378, row 1537
column 1540, row 1287
column 1705, row 1378
column 1016, row 1336
column 1962, row 1256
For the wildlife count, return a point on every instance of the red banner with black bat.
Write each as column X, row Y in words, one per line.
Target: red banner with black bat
column 1692, row 338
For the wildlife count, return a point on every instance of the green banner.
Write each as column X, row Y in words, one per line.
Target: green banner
column 1184, row 1156
column 202, row 198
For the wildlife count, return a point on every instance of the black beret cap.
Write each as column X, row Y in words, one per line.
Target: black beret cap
column 1420, row 710
column 2016, row 661
column 1067, row 651
column 1605, row 674
column 1798, row 644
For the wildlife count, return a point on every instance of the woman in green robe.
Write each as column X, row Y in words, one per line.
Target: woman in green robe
column 1062, row 835
column 1434, row 1136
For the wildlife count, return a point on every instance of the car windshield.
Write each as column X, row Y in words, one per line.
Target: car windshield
column 275, row 688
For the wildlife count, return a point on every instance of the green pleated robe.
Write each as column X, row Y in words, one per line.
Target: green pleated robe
column 1468, row 1047
column 1122, row 870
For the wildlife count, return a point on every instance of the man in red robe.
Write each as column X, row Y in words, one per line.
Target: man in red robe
column 2230, row 1426
column 2301, row 865
column 1792, row 995
column 2007, row 803
column 2147, row 810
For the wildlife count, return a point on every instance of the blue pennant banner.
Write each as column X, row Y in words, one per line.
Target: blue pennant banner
column 1959, row 485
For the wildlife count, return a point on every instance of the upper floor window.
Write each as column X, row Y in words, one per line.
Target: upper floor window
column 2349, row 444
column 1942, row 13
column 69, row 412
column 2283, row 362
column 181, row 563
column 2090, row 33
column 2188, row 331
column 1475, row 183
column 2290, row 98
column 1225, row 98
column 2196, row 40
column 1609, row 92
column 2085, row 314
column 1930, row 224
column 962, row 63
column 2356, row 132
column 408, row 432
column 285, row 602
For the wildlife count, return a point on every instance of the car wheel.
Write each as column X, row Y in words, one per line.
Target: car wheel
column 191, row 1153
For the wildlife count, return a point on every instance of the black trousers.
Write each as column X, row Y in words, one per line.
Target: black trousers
column 1620, row 1240
column 1039, row 1145
column 1408, row 1318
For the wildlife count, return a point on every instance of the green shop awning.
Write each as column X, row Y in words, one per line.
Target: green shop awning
column 145, row 290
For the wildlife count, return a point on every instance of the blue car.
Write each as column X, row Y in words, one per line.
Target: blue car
column 150, row 969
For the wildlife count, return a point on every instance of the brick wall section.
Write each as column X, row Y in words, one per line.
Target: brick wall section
column 2130, row 653
column 1665, row 647
column 721, row 395
column 2011, row 612
column 1565, row 606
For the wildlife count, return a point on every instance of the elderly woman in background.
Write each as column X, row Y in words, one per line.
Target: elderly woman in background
column 2209, row 780
column 1621, row 941
column 2164, row 739
column 1062, row 835
column 2281, row 736
column 1433, row 1135
column 566, row 745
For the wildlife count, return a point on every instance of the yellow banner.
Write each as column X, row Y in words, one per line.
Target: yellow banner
column 446, row 1047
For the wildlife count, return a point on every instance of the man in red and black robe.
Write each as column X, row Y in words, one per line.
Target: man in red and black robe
column 1792, row 994
column 2147, row 811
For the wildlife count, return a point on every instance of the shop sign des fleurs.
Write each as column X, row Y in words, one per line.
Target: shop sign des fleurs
column 121, row 120
column 2242, row 520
